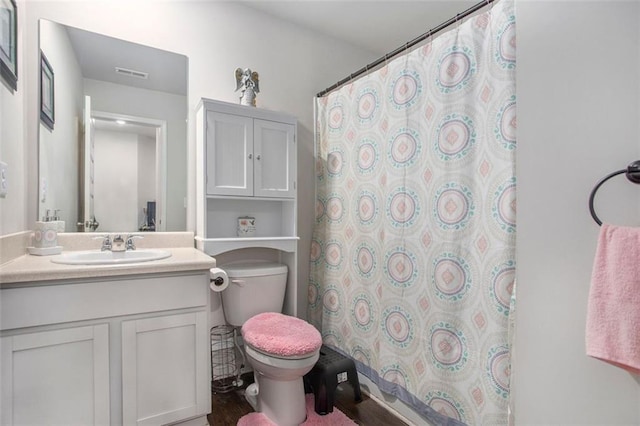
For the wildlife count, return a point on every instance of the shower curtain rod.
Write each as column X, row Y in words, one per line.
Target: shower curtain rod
column 407, row 46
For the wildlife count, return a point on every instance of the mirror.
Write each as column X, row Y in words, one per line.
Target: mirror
column 115, row 157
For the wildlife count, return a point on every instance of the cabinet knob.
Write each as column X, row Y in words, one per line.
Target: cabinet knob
column 250, row 156
column 258, row 157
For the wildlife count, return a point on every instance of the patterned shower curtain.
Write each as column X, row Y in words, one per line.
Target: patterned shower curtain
column 413, row 253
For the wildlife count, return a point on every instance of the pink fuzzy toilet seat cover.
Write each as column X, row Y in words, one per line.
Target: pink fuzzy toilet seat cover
column 281, row 335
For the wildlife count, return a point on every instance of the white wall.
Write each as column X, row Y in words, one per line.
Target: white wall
column 578, row 89
column 125, row 179
column 116, row 180
column 13, row 148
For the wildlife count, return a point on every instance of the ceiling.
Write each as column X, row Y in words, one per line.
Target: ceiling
column 99, row 55
column 377, row 26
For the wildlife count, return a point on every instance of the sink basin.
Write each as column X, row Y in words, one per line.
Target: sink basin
column 96, row 257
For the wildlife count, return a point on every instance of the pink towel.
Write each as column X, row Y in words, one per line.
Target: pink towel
column 281, row 335
column 613, row 312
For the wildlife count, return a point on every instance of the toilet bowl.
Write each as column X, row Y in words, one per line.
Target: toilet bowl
column 280, row 348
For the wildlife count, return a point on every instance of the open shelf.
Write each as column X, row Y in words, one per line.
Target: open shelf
column 274, row 217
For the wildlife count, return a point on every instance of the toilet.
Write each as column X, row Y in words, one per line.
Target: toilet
column 280, row 348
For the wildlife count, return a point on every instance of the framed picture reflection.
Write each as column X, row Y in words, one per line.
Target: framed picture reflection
column 47, row 93
column 9, row 43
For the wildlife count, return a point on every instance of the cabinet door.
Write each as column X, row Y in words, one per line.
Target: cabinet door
column 56, row 377
column 229, row 144
column 275, row 159
column 165, row 369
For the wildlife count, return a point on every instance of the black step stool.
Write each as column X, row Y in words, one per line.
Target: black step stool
column 331, row 369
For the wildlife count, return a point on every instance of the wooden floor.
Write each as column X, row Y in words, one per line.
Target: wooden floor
column 228, row 407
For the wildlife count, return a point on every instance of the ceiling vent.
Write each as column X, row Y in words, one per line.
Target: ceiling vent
column 132, row 73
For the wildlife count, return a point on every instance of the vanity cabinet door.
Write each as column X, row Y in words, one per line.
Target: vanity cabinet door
column 229, row 145
column 56, row 377
column 165, row 369
column 275, row 162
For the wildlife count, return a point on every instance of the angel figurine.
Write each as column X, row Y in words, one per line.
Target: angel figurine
column 248, row 81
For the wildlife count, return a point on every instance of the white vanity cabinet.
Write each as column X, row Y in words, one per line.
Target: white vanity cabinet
column 163, row 359
column 131, row 350
column 56, row 377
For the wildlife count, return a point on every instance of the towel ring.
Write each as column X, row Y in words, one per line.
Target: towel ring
column 633, row 174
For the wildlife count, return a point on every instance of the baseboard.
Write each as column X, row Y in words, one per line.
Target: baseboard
column 198, row 421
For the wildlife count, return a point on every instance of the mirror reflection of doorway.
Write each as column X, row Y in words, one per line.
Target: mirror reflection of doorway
column 128, row 160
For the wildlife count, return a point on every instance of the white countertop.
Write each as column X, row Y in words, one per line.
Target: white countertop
column 29, row 268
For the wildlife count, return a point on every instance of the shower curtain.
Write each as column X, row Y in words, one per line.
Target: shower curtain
column 413, row 252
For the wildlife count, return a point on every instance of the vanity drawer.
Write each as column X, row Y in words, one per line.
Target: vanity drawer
column 66, row 302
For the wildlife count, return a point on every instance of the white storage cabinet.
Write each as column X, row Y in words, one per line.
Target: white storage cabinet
column 247, row 166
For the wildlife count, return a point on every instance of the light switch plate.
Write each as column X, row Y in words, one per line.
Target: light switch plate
column 4, row 179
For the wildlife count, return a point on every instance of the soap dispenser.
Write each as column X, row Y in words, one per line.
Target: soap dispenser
column 45, row 237
column 59, row 224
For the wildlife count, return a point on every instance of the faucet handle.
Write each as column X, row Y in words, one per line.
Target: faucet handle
column 130, row 245
column 106, row 241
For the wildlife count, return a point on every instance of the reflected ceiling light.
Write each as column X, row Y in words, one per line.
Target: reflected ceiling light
column 121, row 122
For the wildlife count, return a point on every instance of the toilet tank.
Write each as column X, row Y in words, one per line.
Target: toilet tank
column 254, row 287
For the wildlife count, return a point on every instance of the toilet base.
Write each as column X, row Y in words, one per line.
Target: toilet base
column 283, row 402
column 251, row 395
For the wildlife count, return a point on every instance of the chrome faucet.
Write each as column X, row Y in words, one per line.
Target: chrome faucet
column 118, row 243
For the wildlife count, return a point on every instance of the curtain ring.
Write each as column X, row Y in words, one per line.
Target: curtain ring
column 490, row 4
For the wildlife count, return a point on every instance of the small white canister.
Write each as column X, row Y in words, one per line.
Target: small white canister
column 246, row 226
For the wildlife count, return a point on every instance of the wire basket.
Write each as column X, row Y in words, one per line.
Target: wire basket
column 225, row 371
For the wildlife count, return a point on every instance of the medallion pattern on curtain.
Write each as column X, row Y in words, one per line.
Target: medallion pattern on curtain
column 413, row 253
